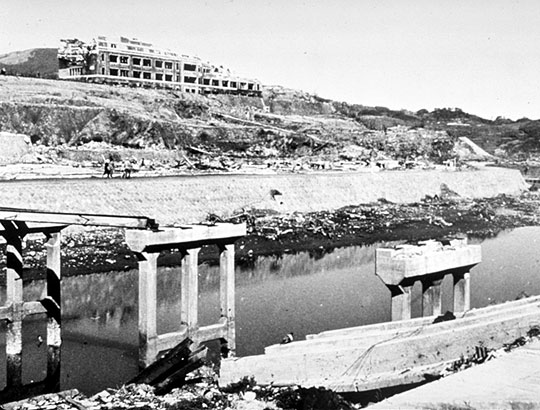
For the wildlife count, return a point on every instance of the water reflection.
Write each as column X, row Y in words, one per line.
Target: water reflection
column 305, row 293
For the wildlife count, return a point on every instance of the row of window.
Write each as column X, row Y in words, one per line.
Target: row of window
column 147, row 75
column 147, row 62
column 169, row 77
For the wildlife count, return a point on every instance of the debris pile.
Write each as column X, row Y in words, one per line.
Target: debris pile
column 203, row 395
column 170, row 370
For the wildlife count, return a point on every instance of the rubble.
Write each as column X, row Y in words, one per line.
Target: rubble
column 202, row 395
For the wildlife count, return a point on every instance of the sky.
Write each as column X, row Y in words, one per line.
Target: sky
column 482, row 56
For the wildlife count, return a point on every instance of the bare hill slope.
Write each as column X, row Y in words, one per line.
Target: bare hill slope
column 282, row 124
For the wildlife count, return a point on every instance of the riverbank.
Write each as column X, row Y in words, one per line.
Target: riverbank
column 192, row 199
column 87, row 251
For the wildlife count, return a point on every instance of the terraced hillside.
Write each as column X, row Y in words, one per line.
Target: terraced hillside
column 283, row 124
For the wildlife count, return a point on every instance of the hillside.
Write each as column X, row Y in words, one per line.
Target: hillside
column 509, row 137
column 35, row 62
column 86, row 122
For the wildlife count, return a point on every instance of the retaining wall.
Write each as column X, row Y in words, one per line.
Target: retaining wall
column 189, row 199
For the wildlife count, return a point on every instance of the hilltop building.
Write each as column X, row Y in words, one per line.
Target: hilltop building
column 132, row 62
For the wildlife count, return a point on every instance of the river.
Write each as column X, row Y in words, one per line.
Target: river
column 304, row 293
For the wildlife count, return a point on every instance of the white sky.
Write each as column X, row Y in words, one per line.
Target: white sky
column 479, row 55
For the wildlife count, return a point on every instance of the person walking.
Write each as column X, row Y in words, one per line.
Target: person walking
column 108, row 169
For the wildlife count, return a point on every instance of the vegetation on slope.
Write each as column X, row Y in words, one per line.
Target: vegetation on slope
column 35, row 62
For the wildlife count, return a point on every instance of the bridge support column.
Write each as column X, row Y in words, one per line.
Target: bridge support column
column 462, row 291
column 14, row 296
column 147, row 308
column 189, row 299
column 431, row 297
column 226, row 296
column 401, row 302
column 53, row 305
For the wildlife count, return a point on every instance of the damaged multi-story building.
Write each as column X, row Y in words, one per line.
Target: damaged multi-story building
column 136, row 63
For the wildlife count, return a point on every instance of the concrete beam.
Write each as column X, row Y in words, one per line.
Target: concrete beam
column 31, row 227
column 369, row 338
column 355, row 368
column 376, row 328
column 64, row 218
column 395, row 266
column 188, row 236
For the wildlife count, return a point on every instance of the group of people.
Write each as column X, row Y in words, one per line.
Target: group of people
column 127, row 169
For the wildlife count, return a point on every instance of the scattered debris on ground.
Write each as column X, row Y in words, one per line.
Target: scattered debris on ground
column 204, row 394
column 483, row 354
column 170, row 370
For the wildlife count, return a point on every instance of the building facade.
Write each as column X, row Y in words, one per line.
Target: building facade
column 132, row 62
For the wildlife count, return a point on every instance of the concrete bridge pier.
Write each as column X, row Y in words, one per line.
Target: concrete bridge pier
column 462, row 290
column 401, row 301
column 428, row 263
column 188, row 241
column 431, row 296
column 16, row 309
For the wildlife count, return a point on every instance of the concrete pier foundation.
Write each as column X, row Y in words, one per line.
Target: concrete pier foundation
column 429, row 263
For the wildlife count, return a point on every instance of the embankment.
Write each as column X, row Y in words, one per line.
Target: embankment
column 190, row 199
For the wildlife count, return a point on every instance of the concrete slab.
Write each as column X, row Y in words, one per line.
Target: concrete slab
column 393, row 266
column 508, row 382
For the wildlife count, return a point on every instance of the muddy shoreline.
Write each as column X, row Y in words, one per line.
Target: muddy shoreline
column 91, row 251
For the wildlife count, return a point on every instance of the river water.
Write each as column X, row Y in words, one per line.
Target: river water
column 304, row 293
